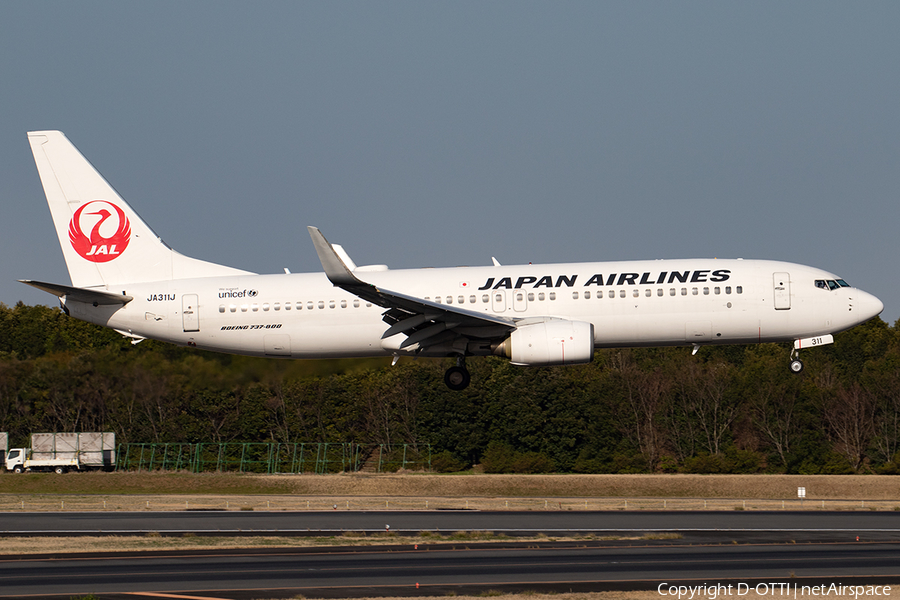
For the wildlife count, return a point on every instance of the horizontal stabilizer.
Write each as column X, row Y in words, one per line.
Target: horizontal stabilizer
column 94, row 297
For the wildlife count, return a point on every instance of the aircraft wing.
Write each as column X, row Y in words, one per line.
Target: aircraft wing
column 424, row 323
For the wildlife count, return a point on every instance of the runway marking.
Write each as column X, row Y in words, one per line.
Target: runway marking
column 163, row 595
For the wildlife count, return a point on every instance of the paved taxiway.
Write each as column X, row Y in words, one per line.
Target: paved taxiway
column 508, row 522
column 397, row 570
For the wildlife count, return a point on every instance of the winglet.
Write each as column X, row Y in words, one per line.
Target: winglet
column 337, row 271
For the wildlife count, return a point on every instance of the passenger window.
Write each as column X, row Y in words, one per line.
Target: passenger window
column 232, row 307
column 739, row 289
column 599, row 293
column 520, row 296
column 449, row 299
column 659, row 292
column 472, row 300
column 356, row 304
column 485, row 298
column 461, row 300
column 221, row 308
column 727, row 289
column 587, row 295
column 254, row 307
column 331, row 304
column 552, row 295
column 531, row 296
column 621, row 293
column 574, row 295
column 636, row 293
column 694, row 291
column 276, row 306
column 541, row 296
column 671, row 291
column 309, row 305
column 343, row 304
column 287, row 306
column 437, row 299
column 498, row 297
column 684, row 291
column 706, row 291
column 648, row 292
column 266, row 306
column 717, row 290
column 321, row 304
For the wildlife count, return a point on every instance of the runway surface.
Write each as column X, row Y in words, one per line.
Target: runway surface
column 384, row 571
column 715, row 547
column 507, row 522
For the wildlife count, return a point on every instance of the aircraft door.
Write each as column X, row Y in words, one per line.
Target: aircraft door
column 190, row 313
column 782, row 284
column 498, row 301
column 519, row 300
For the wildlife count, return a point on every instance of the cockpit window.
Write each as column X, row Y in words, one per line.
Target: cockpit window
column 831, row 284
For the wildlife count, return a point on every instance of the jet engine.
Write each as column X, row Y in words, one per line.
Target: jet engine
column 552, row 342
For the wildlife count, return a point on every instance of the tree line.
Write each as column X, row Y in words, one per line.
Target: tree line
column 729, row 409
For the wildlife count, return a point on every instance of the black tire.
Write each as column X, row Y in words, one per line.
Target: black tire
column 457, row 378
column 59, row 470
column 796, row 366
column 18, row 469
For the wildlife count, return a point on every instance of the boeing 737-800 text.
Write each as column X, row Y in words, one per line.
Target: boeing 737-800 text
column 125, row 277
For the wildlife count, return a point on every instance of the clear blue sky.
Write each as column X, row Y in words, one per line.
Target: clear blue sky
column 444, row 133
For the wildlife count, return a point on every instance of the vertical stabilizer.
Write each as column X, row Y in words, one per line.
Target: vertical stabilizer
column 103, row 240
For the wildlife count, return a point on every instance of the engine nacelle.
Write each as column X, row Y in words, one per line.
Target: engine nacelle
column 554, row 342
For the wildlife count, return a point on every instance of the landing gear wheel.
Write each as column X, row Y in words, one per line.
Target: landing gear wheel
column 457, row 378
column 796, row 366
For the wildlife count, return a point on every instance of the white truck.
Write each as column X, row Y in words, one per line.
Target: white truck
column 19, row 460
column 63, row 452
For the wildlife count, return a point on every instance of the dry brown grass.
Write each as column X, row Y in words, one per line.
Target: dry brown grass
column 154, row 541
column 412, row 485
column 231, row 491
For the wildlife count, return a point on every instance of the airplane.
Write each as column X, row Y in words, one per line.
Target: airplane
column 123, row 276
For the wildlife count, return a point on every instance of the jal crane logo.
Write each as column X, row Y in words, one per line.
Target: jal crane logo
column 107, row 239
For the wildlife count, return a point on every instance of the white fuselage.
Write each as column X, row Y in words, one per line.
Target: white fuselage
column 633, row 303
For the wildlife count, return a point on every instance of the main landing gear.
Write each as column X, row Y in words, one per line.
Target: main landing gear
column 457, row 378
column 796, row 365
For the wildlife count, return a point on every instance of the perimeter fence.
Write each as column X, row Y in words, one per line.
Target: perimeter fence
column 272, row 458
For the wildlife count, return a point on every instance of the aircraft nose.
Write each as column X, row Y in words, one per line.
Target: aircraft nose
column 867, row 305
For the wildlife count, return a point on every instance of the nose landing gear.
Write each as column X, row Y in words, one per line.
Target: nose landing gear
column 796, row 365
column 457, row 378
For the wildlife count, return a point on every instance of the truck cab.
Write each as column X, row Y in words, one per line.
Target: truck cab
column 15, row 460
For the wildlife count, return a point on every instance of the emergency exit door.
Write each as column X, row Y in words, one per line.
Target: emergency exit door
column 190, row 314
column 782, row 285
